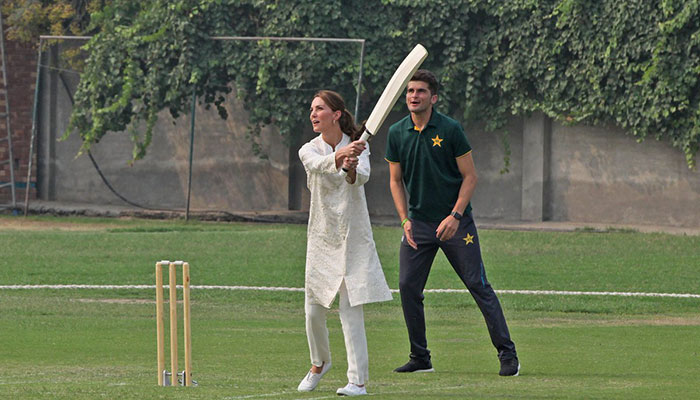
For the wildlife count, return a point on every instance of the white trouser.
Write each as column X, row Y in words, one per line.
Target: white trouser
column 353, row 321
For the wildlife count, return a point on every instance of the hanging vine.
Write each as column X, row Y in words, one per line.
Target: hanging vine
column 635, row 64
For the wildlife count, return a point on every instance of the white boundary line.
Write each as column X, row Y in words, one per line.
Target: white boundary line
column 293, row 289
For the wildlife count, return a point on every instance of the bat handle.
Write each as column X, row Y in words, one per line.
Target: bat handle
column 366, row 136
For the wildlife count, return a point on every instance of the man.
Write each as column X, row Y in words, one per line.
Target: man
column 429, row 154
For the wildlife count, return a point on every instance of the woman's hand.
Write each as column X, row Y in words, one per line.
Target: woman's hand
column 350, row 163
column 354, row 149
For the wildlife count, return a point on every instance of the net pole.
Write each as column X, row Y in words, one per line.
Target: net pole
column 189, row 178
column 33, row 134
column 359, row 82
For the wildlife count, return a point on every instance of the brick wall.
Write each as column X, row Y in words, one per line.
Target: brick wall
column 21, row 78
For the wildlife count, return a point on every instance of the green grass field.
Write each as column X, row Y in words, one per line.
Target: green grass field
column 90, row 344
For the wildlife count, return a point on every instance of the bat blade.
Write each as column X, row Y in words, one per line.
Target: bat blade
column 393, row 90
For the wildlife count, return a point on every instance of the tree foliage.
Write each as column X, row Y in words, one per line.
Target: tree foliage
column 27, row 19
column 635, row 64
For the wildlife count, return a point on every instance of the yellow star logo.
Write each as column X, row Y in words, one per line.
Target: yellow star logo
column 468, row 239
column 437, row 141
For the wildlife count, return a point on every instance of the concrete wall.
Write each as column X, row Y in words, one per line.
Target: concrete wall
column 583, row 174
column 225, row 175
column 604, row 175
column 559, row 173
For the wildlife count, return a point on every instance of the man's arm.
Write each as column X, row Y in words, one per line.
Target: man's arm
column 449, row 225
column 469, row 178
column 399, row 195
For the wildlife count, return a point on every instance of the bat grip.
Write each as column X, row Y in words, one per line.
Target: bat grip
column 366, row 136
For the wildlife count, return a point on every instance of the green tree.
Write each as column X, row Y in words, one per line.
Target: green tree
column 27, row 19
column 635, row 64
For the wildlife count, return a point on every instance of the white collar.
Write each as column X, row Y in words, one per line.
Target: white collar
column 327, row 148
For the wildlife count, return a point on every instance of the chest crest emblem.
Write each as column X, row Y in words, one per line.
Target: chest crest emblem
column 437, row 141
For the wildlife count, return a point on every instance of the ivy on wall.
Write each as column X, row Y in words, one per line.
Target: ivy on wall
column 634, row 64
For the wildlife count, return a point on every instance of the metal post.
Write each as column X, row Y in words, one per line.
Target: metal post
column 33, row 135
column 359, row 83
column 287, row 39
column 189, row 179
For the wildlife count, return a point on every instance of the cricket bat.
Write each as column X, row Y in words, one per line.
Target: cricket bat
column 392, row 91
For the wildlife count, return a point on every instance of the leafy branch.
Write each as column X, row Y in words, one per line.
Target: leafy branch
column 631, row 63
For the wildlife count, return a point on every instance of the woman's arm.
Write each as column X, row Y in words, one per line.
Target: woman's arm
column 363, row 166
column 315, row 162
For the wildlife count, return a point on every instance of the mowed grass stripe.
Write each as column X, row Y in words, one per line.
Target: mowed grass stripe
column 291, row 289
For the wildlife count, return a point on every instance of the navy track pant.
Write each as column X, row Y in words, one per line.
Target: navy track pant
column 464, row 254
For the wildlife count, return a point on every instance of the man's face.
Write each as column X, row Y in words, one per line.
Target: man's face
column 418, row 97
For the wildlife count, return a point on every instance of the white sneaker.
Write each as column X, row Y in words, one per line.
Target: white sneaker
column 311, row 380
column 351, row 390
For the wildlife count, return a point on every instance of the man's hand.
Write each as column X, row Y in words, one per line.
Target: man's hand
column 447, row 228
column 408, row 233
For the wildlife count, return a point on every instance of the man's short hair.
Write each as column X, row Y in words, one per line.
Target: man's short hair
column 428, row 77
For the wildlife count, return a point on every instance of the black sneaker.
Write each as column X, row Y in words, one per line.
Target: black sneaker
column 510, row 367
column 414, row 365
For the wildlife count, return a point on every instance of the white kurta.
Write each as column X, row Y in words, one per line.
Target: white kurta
column 340, row 244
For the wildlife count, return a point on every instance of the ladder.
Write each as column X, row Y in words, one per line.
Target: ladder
column 6, row 158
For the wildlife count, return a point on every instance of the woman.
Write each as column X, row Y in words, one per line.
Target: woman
column 341, row 258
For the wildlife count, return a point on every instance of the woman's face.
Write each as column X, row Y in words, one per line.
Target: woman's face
column 322, row 116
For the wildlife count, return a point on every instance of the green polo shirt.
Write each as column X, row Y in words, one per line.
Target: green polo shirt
column 428, row 161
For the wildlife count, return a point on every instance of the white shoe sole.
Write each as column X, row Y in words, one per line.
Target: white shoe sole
column 416, row 371
column 516, row 373
column 344, row 391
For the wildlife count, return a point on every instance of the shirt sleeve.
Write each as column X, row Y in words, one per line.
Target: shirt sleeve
column 392, row 151
column 461, row 145
column 314, row 162
column 363, row 167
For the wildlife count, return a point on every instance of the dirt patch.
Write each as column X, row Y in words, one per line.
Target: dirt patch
column 693, row 320
column 123, row 301
column 116, row 301
column 22, row 224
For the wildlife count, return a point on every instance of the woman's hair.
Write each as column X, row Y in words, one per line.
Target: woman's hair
column 346, row 120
